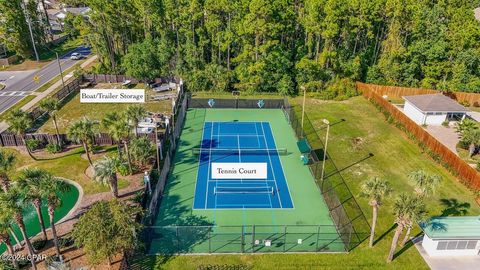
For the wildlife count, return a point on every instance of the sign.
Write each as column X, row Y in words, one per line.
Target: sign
column 112, row 96
column 36, row 78
column 239, row 170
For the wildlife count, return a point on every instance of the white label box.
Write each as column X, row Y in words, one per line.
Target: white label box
column 112, row 96
column 239, row 170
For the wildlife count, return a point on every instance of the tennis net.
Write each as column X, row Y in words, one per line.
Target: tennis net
column 243, row 190
column 241, row 151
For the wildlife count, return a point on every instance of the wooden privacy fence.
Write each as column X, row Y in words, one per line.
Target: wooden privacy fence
column 466, row 173
column 398, row 92
column 113, row 78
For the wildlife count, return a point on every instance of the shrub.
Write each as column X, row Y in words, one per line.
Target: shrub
column 463, row 144
column 446, row 123
column 53, row 148
column 39, row 244
column 123, row 169
column 32, row 144
column 65, row 242
column 464, row 103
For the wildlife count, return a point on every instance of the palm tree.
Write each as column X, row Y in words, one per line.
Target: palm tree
column 466, row 125
column 6, row 163
column 83, row 132
column 406, row 209
column 472, row 138
column 375, row 190
column 52, row 106
column 106, row 172
column 134, row 114
column 5, row 223
column 111, row 122
column 30, row 184
column 142, row 150
column 19, row 122
column 425, row 184
column 53, row 187
column 13, row 202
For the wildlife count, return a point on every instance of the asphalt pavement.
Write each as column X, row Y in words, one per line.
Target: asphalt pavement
column 20, row 83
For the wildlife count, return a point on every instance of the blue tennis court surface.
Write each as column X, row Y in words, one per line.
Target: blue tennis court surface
column 227, row 143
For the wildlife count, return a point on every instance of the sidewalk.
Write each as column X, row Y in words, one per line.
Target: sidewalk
column 39, row 96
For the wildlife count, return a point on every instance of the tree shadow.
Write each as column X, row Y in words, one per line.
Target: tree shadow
column 351, row 165
column 407, row 246
column 384, row 234
column 454, row 208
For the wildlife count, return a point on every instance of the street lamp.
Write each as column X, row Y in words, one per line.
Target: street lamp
column 303, row 106
column 326, row 122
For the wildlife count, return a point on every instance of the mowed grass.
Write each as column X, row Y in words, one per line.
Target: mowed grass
column 70, row 165
column 362, row 131
column 74, row 110
column 18, row 105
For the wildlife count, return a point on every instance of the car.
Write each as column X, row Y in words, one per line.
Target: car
column 76, row 56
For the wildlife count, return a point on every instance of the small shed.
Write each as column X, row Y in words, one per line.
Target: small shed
column 433, row 109
column 452, row 236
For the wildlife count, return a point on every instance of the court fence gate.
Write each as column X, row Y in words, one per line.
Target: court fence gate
column 350, row 225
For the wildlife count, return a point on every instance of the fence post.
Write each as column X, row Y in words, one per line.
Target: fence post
column 285, row 239
column 318, row 235
column 209, row 240
column 243, row 239
column 253, row 238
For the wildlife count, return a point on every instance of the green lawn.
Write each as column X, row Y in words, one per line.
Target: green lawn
column 69, row 165
column 363, row 130
column 74, row 110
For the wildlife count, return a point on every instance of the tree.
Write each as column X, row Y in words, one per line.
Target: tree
column 52, row 106
column 53, row 187
column 375, row 190
column 83, row 131
column 14, row 203
column 14, row 29
column 5, row 225
column 466, row 125
column 19, row 122
column 134, row 114
column 106, row 172
column 119, row 128
column 30, row 184
column 6, row 162
column 425, row 184
column 406, row 208
column 107, row 228
column 142, row 150
column 141, row 61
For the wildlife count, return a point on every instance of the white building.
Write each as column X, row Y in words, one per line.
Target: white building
column 452, row 236
column 433, row 109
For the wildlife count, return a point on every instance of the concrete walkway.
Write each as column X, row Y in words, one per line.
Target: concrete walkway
column 447, row 263
column 39, row 96
column 446, row 135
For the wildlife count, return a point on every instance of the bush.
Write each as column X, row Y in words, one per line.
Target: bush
column 340, row 89
column 446, row 123
column 32, row 144
column 464, row 103
column 53, row 148
column 463, row 144
column 65, row 242
column 39, row 244
column 123, row 169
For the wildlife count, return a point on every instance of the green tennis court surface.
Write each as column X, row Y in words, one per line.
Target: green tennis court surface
column 180, row 228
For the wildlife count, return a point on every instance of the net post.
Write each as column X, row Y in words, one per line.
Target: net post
column 253, row 238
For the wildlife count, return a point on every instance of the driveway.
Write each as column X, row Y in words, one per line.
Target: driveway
column 446, row 135
column 447, row 263
column 20, row 83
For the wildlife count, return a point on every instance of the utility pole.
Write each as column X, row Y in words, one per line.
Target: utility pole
column 60, row 67
column 30, row 29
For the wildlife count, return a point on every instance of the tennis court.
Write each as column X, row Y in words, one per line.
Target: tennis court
column 227, row 144
column 280, row 211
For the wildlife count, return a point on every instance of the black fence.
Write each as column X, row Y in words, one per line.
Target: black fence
column 350, row 225
column 207, row 103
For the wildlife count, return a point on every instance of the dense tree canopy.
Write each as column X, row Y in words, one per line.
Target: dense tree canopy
column 278, row 45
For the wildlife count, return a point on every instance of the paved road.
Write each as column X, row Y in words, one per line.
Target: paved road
column 20, row 83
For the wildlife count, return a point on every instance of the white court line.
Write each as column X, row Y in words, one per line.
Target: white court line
column 281, row 165
column 208, row 175
column 271, row 166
